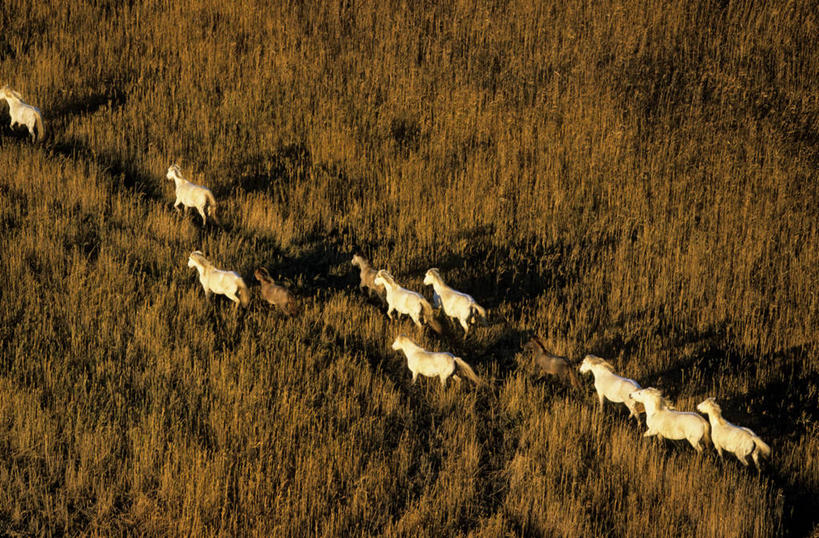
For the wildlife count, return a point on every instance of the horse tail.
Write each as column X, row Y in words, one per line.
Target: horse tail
column 575, row 381
column 293, row 306
column 429, row 317
column 478, row 309
column 243, row 293
column 211, row 205
column 38, row 122
column 761, row 447
column 467, row 370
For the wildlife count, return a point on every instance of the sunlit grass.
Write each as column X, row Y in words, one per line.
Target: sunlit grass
column 630, row 179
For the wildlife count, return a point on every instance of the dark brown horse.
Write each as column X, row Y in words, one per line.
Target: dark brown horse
column 277, row 295
column 549, row 364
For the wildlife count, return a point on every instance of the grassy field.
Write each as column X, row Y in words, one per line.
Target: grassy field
column 634, row 179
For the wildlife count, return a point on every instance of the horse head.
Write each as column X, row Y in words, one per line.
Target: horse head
column 399, row 342
column 357, row 260
column 708, row 406
column 196, row 258
column 261, row 274
column 174, row 171
column 431, row 276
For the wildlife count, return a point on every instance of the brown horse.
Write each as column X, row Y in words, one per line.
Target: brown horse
column 549, row 364
column 367, row 275
column 277, row 295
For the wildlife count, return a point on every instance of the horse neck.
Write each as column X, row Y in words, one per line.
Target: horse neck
column 653, row 406
column 179, row 180
column 202, row 267
column 11, row 99
column 438, row 284
column 411, row 347
column 715, row 418
column 601, row 371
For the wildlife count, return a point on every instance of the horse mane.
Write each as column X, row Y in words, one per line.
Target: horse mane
column 664, row 402
column 599, row 361
column 386, row 276
column 7, row 89
column 362, row 261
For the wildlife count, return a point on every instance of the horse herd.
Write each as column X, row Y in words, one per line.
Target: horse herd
column 662, row 419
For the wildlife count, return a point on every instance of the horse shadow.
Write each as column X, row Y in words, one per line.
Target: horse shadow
column 132, row 177
column 18, row 134
column 112, row 97
column 513, row 272
column 266, row 172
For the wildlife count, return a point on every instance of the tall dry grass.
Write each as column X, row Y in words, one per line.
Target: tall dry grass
column 632, row 179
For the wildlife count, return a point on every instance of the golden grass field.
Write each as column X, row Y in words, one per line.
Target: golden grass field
column 634, row 179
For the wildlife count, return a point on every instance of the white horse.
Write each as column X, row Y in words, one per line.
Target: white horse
column 405, row 301
column 742, row 442
column 220, row 282
column 191, row 195
column 456, row 304
column 23, row 114
column 433, row 363
column 666, row 423
column 610, row 386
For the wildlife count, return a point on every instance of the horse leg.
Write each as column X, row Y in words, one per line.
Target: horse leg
column 443, row 380
column 389, row 313
column 465, row 325
column 601, row 399
column 633, row 413
column 176, row 205
column 202, row 212
column 696, row 444
column 742, row 459
column 414, row 377
column 755, row 456
column 649, row 433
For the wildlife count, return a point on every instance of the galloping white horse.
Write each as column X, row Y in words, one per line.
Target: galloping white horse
column 742, row 442
column 610, row 386
column 405, row 301
column 432, row 363
column 666, row 423
column 456, row 304
column 219, row 282
column 23, row 114
column 191, row 195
